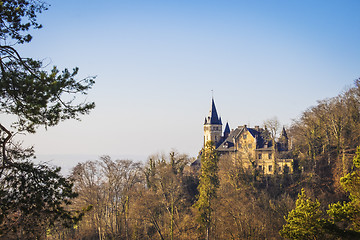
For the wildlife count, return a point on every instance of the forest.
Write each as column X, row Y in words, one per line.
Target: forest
column 165, row 198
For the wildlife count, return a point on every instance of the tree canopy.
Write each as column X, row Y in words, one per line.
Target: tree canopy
column 32, row 196
column 303, row 222
column 27, row 90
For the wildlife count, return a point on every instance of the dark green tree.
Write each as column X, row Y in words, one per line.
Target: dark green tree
column 208, row 185
column 27, row 90
column 32, row 197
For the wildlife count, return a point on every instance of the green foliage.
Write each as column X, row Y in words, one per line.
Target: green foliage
column 33, row 197
column 208, row 185
column 356, row 160
column 346, row 215
column 303, row 222
column 351, row 181
column 342, row 211
column 40, row 98
column 35, row 96
column 17, row 17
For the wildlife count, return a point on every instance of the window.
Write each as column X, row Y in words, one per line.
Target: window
column 270, row 155
column 279, row 169
column 270, row 168
column 250, row 146
column 260, row 156
column 239, row 145
column 260, row 167
column 244, row 136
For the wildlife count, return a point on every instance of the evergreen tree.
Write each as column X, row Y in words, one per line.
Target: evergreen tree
column 209, row 183
column 35, row 96
column 32, row 196
column 304, row 222
column 345, row 217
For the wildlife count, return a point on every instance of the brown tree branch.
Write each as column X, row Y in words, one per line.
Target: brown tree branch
column 3, row 147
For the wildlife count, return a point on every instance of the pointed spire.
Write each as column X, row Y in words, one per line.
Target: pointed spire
column 227, row 128
column 283, row 141
column 283, row 133
column 213, row 116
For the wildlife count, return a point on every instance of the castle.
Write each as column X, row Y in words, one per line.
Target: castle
column 250, row 147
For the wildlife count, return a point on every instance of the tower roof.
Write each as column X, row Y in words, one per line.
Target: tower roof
column 283, row 133
column 213, row 116
column 227, row 128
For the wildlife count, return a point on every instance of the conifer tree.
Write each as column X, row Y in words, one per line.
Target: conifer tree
column 32, row 196
column 303, row 222
column 345, row 217
column 209, row 183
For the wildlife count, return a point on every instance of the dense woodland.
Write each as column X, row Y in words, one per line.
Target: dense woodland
column 162, row 198
column 165, row 198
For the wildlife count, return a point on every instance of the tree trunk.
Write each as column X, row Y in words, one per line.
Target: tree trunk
column 172, row 220
column 125, row 219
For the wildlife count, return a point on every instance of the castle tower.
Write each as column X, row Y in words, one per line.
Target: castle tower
column 212, row 126
column 283, row 141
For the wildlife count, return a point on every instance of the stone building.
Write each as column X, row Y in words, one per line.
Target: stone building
column 250, row 147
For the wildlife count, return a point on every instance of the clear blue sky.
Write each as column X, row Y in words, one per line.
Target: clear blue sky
column 157, row 61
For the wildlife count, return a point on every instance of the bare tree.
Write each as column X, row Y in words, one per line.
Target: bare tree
column 106, row 185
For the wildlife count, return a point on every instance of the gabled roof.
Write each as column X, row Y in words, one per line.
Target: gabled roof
column 213, row 116
column 228, row 144
column 253, row 132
